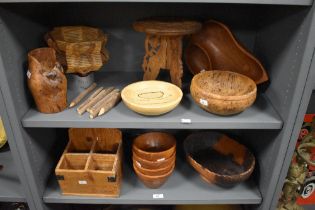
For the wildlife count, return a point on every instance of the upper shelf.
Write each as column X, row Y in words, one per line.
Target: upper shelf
column 260, row 116
column 272, row 2
column 10, row 186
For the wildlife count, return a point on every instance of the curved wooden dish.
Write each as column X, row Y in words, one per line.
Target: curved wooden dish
column 153, row 165
column 223, row 92
column 153, row 172
column 215, row 47
column 154, row 181
column 151, row 97
column 238, row 167
column 80, row 49
column 154, row 146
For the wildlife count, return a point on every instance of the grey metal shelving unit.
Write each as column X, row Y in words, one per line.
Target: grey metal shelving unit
column 279, row 32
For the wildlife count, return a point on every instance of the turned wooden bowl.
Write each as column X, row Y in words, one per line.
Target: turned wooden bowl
column 223, row 92
column 151, row 97
column 219, row 159
column 215, row 47
column 154, row 181
column 154, row 165
column 154, row 146
column 153, row 172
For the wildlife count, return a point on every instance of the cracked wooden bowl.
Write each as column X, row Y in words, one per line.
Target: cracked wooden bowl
column 151, row 97
column 153, row 165
column 223, row 92
column 219, row 159
column 154, row 181
column 215, row 47
column 154, row 146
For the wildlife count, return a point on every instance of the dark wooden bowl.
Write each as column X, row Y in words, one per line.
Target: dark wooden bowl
column 223, row 92
column 219, row 159
column 215, row 47
column 153, row 165
column 154, row 146
column 153, row 172
column 154, row 181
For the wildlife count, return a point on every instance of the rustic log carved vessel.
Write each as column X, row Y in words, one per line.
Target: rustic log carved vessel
column 80, row 49
column 223, row 92
column 215, row 47
column 46, row 81
column 219, row 159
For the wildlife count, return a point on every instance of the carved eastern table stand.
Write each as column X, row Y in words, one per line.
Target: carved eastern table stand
column 163, row 46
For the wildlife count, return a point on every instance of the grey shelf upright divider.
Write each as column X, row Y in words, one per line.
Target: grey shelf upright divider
column 13, row 184
column 280, row 33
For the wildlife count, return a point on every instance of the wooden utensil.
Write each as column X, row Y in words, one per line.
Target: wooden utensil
column 215, row 47
column 218, row 158
column 223, row 92
column 151, row 97
column 46, row 81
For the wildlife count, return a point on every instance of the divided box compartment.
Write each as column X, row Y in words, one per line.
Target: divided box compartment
column 91, row 164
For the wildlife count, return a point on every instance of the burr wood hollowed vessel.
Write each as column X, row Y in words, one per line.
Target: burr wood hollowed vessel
column 163, row 46
column 46, row 81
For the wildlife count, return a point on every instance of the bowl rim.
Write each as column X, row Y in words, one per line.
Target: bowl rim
column 154, row 177
column 124, row 96
column 221, row 97
column 170, row 137
column 135, row 164
column 173, row 156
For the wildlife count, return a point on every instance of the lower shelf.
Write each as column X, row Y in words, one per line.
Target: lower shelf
column 184, row 187
column 10, row 186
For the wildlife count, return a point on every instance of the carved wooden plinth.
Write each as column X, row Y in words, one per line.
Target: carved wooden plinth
column 163, row 46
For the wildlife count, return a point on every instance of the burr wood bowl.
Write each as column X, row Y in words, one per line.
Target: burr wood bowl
column 154, row 146
column 151, row 97
column 153, row 181
column 223, row 92
column 153, row 172
column 154, row 165
column 219, row 159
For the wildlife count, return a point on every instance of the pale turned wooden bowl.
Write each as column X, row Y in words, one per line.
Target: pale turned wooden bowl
column 153, row 181
column 151, row 97
column 219, row 159
column 154, row 146
column 153, row 165
column 223, row 92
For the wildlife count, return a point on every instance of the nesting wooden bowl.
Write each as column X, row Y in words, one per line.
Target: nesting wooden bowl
column 219, row 159
column 151, row 97
column 223, row 92
column 154, row 156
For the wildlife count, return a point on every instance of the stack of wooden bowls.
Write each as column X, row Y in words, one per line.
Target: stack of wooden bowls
column 154, row 156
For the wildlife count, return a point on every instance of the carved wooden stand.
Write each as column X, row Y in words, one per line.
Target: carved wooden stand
column 163, row 46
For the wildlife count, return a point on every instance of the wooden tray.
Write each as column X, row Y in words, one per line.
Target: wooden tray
column 215, row 47
column 91, row 164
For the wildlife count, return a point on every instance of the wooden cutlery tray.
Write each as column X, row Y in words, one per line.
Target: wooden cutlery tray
column 91, row 164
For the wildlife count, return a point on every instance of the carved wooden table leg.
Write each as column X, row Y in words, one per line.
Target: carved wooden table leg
column 155, row 57
column 174, row 59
